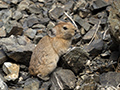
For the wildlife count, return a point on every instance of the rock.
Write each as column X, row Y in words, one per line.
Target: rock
column 46, row 85
column 44, row 21
column 21, row 40
column 89, row 83
column 56, row 13
column 30, row 33
column 50, row 25
column 14, row 30
column 82, row 22
column 35, row 8
column 17, row 15
column 98, row 4
column 2, row 32
column 32, row 84
column 3, row 5
column 95, row 47
column 110, row 78
column 11, row 1
column 75, row 59
column 23, row 5
column 37, row 38
column 5, row 15
column 32, row 21
column 8, row 41
column 114, row 56
column 115, row 22
column 41, row 0
column 63, row 79
column 3, row 57
column 69, row 5
column 12, row 71
column 19, row 52
column 3, row 85
column 93, row 20
column 39, row 26
column 76, row 38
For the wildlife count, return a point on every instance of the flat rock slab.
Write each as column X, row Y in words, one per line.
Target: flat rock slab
column 19, row 53
column 63, row 79
column 82, row 22
column 110, row 78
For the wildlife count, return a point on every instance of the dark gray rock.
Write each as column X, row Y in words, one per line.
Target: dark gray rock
column 44, row 21
column 46, row 85
column 32, row 21
column 56, row 13
column 63, row 79
column 11, row 1
column 76, row 38
column 3, row 56
column 19, row 52
column 37, row 38
column 39, row 26
column 75, row 59
column 97, row 4
column 90, row 83
column 30, row 33
column 32, row 84
column 82, row 22
column 114, row 56
column 35, row 8
column 110, row 78
column 93, row 20
column 95, row 47
column 69, row 5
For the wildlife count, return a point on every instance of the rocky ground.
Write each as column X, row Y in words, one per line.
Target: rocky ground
column 92, row 63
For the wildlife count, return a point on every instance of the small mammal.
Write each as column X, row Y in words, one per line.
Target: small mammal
column 46, row 54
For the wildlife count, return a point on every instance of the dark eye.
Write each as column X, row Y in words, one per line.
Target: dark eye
column 65, row 28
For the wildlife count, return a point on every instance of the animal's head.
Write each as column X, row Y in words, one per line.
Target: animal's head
column 64, row 30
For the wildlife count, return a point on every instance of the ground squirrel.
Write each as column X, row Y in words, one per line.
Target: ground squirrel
column 46, row 54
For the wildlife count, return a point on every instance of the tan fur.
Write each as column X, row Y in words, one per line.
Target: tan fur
column 46, row 54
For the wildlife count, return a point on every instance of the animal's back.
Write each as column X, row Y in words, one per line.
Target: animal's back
column 43, row 57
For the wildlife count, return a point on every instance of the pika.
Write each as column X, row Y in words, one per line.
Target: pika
column 47, row 52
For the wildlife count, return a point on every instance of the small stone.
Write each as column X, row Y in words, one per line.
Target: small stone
column 82, row 31
column 97, row 4
column 17, row 15
column 35, row 8
column 12, row 71
column 76, row 38
column 3, row 57
column 50, row 25
column 39, row 26
column 32, row 84
column 105, row 54
column 63, row 79
column 37, row 38
column 82, row 23
column 46, row 85
column 69, row 5
column 32, row 21
column 44, row 21
column 41, row 0
column 2, row 32
column 114, row 56
column 95, row 47
column 8, row 41
column 3, row 5
column 30, row 33
column 56, row 13
column 23, row 5
column 16, row 52
column 3, row 85
column 110, row 78
column 22, row 40
column 69, row 59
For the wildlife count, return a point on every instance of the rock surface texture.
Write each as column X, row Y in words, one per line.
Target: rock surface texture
column 91, row 60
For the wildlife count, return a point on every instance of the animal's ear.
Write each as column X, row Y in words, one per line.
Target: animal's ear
column 52, row 32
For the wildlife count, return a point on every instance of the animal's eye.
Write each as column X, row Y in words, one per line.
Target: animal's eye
column 65, row 28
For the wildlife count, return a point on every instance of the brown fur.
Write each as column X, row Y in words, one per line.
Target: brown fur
column 46, row 54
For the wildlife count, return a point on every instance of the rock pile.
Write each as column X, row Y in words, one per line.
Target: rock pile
column 91, row 63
